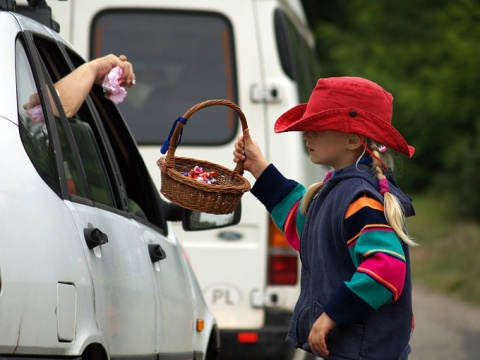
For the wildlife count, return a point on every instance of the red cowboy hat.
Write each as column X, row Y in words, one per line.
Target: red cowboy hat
column 350, row 105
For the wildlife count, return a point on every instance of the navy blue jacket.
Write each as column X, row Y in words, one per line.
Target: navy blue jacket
column 326, row 264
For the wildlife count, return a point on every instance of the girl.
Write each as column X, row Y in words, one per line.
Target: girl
column 355, row 299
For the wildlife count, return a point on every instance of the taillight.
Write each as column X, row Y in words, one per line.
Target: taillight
column 247, row 337
column 282, row 258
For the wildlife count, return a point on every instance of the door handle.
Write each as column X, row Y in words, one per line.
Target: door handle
column 94, row 237
column 156, row 252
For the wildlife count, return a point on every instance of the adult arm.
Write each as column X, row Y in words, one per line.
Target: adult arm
column 74, row 88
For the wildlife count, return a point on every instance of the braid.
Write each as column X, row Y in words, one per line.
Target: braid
column 393, row 209
column 311, row 192
column 308, row 197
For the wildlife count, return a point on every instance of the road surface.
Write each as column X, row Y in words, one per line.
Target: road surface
column 445, row 328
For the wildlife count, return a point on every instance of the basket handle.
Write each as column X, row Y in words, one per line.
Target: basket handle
column 170, row 159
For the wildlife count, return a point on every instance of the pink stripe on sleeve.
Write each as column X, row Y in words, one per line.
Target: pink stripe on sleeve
column 290, row 227
column 387, row 270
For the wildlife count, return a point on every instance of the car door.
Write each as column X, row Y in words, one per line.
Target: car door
column 149, row 299
column 119, row 263
column 143, row 303
column 174, row 315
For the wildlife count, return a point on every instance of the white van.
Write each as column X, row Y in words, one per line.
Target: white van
column 256, row 53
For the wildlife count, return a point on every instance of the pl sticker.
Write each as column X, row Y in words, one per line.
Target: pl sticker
column 222, row 295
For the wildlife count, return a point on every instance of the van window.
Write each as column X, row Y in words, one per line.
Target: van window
column 299, row 61
column 180, row 59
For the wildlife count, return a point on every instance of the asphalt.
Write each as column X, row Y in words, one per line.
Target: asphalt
column 445, row 328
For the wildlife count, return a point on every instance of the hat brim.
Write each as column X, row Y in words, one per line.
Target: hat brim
column 341, row 120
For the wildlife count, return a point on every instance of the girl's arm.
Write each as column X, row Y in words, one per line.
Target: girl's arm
column 282, row 203
column 378, row 255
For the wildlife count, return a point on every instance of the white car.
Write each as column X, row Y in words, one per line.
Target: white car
column 89, row 266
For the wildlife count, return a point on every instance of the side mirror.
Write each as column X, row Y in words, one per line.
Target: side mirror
column 195, row 220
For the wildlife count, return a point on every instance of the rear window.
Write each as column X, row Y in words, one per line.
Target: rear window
column 180, row 59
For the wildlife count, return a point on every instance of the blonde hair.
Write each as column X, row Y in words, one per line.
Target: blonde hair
column 309, row 195
column 393, row 210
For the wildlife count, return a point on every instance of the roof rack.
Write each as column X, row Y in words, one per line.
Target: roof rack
column 37, row 10
column 7, row 5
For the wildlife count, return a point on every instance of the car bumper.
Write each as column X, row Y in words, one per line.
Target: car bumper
column 266, row 343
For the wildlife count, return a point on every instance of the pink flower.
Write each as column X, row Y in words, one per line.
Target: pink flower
column 36, row 114
column 111, row 86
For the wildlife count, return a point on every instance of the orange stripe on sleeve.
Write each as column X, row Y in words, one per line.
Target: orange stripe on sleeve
column 362, row 202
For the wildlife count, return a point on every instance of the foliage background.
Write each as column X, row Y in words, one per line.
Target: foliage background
column 426, row 53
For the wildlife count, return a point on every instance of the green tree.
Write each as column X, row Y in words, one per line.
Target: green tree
column 425, row 53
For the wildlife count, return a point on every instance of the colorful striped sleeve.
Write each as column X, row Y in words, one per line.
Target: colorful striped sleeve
column 288, row 218
column 378, row 256
column 283, row 203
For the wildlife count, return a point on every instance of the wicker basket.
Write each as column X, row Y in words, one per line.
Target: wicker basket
column 222, row 197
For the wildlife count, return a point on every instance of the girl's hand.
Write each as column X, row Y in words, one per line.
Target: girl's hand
column 248, row 151
column 319, row 334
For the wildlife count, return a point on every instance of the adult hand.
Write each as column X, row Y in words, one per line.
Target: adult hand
column 101, row 67
column 74, row 88
column 319, row 334
column 33, row 101
column 249, row 152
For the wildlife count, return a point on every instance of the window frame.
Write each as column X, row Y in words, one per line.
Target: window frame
column 94, row 104
column 40, row 48
column 39, row 75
